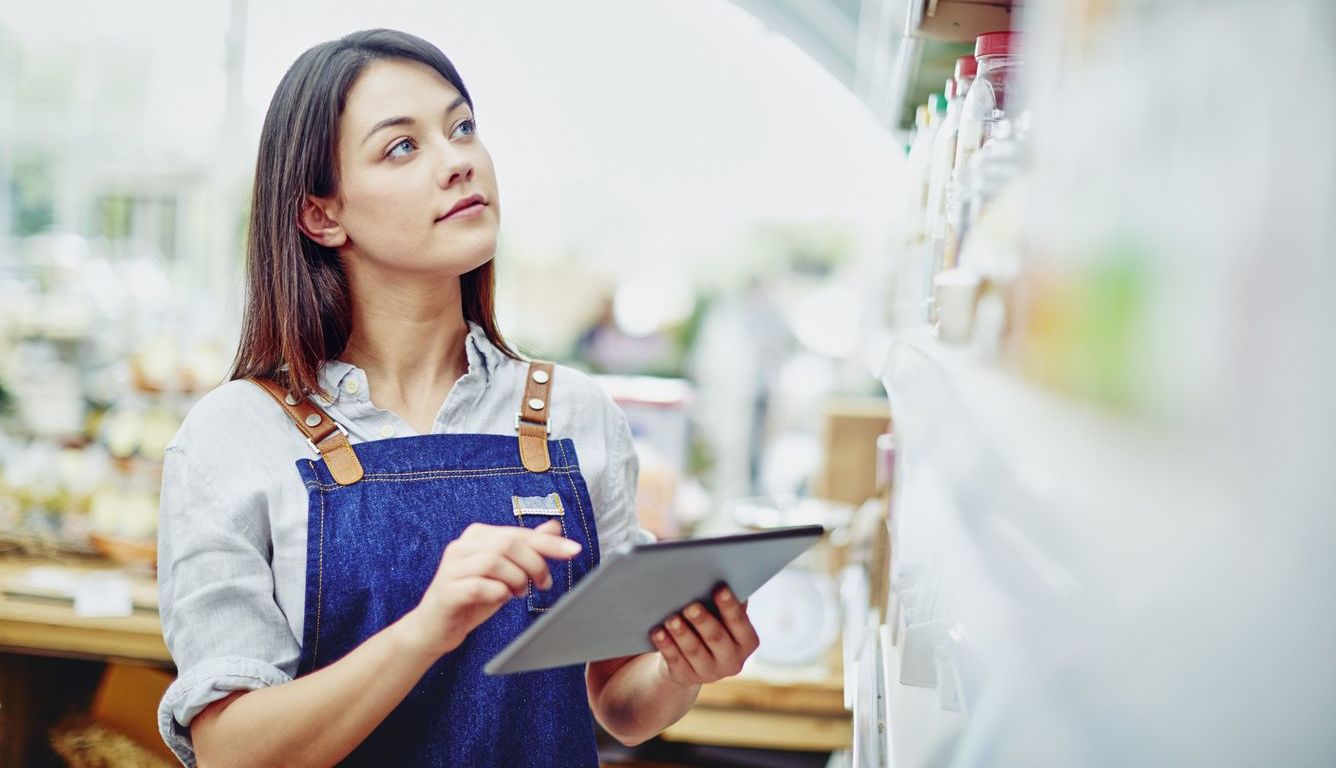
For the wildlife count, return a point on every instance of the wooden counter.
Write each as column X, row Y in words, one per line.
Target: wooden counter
column 40, row 621
column 753, row 711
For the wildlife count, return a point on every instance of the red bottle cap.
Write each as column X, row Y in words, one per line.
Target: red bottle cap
column 966, row 66
column 994, row 43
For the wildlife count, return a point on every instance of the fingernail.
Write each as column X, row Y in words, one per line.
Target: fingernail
column 674, row 623
column 694, row 612
column 571, row 547
column 725, row 596
column 659, row 636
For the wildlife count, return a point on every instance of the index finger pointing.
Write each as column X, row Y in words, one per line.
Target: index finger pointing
column 549, row 543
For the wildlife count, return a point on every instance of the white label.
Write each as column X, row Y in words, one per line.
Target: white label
column 103, row 597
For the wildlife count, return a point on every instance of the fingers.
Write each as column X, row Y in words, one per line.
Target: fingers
column 480, row 589
column 699, row 647
column 548, row 543
column 725, row 654
column 678, row 666
column 529, row 549
column 736, row 621
column 546, row 539
column 697, row 656
column 494, row 565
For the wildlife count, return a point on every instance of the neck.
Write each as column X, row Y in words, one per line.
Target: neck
column 408, row 335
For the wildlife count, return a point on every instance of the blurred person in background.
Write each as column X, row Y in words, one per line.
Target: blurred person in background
column 743, row 345
column 339, row 601
column 606, row 348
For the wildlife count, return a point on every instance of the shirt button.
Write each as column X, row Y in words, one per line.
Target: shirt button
column 351, row 387
column 387, row 431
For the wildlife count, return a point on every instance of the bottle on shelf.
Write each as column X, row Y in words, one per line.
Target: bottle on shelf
column 944, row 158
column 910, row 294
column 992, row 97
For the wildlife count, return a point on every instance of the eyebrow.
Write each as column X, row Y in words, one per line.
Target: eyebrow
column 401, row 120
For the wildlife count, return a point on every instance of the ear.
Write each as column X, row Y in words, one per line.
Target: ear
column 316, row 219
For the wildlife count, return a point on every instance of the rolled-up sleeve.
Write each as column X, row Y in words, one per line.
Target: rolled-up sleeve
column 220, row 620
column 618, row 483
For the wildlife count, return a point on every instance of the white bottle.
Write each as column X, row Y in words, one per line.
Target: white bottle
column 944, row 160
column 911, row 303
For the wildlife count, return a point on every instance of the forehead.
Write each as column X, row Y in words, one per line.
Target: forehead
column 394, row 87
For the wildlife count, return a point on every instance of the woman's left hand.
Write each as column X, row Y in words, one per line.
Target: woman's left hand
column 698, row 648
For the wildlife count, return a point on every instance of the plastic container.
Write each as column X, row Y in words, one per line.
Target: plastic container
column 999, row 63
column 911, row 294
column 991, row 98
column 944, row 161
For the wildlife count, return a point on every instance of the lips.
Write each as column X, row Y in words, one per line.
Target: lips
column 467, row 202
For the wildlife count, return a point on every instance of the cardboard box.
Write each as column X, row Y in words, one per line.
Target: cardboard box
column 849, row 448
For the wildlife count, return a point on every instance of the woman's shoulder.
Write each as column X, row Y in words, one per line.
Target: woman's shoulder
column 578, row 383
column 581, row 391
column 578, row 399
column 236, row 413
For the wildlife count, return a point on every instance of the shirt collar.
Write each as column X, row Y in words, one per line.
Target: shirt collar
column 337, row 377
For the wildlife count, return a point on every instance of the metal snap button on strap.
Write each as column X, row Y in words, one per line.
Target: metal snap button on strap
column 335, row 447
column 531, row 422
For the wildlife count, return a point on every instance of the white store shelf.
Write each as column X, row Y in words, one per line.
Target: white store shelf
column 1054, row 483
column 1063, row 532
column 918, row 725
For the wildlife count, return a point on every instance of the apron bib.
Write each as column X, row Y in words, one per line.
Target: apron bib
column 379, row 519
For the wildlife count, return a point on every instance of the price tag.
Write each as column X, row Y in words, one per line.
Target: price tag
column 103, row 596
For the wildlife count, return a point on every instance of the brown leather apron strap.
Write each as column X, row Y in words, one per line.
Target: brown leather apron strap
column 531, row 421
column 325, row 435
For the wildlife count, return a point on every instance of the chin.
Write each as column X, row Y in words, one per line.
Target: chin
column 456, row 263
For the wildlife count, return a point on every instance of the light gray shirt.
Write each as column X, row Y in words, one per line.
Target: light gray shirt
column 232, row 527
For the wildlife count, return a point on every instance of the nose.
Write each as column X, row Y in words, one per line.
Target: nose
column 454, row 165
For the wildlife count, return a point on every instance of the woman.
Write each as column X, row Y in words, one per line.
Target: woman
column 342, row 608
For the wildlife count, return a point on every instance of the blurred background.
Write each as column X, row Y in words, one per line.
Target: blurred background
column 1029, row 303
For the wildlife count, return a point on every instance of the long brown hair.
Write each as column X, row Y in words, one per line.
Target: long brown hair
column 298, row 309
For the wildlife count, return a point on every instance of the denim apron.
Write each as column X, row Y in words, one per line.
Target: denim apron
column 374, row 545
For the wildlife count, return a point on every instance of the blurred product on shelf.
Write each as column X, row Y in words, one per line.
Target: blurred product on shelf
column 910, row 300
column 993, row 93
column 941, row 193
column 98, row 368
column 956, row 291
column 850, row 427
column 989, row 156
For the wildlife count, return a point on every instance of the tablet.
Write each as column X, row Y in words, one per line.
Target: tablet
column 611, row 611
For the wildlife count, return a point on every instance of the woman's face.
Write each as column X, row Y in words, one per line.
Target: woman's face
column 408, row 153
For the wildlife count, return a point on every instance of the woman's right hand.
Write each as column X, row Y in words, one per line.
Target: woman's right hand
column 481, row 570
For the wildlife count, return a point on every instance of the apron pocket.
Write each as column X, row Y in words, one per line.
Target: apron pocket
column 531, row 512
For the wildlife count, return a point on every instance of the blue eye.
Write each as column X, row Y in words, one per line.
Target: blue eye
column 394, row 151
column 471, row 123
